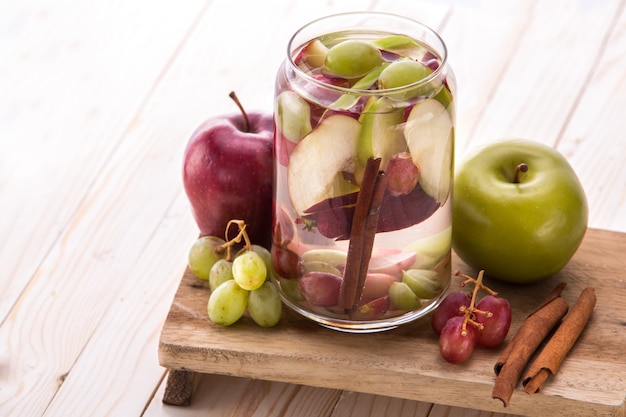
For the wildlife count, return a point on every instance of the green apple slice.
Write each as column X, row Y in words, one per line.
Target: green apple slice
column 381, row 135
column 346, row 101
column 293, row 116
column 317, row 162
column 430, row 250
column 429, row 135
column 401, row 45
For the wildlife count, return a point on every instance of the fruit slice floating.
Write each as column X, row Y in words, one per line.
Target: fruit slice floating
column 347, row 101
column 314, row 53
column 293, row 116
column 380, row 135
column 317, row 163
column 400, row 45
column 429, row 136
column 430, row 249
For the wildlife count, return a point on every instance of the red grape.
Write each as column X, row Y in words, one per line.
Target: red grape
column 449, row 307
column 455, row 346
column 321, row 288
column 496, row 325
column 286, row 262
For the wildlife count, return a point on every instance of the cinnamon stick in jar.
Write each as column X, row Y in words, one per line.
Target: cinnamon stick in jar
column 362, row 234
column 552, row 355
column 530, row 335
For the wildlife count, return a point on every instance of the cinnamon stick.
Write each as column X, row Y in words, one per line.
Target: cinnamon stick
column 532, row 332
column 552, row 355
column 362, row 234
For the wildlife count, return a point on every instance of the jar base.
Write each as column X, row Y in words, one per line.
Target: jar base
column 365, row 326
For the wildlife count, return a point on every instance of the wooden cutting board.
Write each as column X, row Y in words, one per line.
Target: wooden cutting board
column 405, row 362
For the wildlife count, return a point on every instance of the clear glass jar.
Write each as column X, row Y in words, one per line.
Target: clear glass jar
column 364, row 145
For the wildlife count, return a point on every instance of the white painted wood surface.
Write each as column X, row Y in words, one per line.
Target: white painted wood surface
column 97, row 101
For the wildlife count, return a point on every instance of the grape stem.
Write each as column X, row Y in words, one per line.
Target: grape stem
column 470, row 312
column 242, row 234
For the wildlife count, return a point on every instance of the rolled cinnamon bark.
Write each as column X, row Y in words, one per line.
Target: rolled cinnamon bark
column 532, row 332
column 552, row 355
column 362, row 234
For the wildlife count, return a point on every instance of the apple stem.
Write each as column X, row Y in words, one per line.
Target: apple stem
column 243, row 112
column 522, row 167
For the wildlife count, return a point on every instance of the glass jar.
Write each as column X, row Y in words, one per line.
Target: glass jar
column 364, row 145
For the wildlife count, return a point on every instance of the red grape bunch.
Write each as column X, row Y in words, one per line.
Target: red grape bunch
column 461, row 323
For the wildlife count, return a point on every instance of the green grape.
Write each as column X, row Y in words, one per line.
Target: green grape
column 203, row 254
column 249, row 270
column 264, row 305
column 424, row 283
column 352, row 59
column 227, row 303
column 264, row 254
column 403, row 297
column 403, row 73
column 221, row 271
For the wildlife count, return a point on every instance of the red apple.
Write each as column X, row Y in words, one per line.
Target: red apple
column 227, row 173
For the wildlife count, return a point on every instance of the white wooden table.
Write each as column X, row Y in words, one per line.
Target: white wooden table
column 97, row 101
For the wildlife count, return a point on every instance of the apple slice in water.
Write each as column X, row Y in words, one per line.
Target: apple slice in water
column 318, row 161
column 293, row 116
column 314, row 54
column 400, row 45
column 381, row 133
column 429, row 135
column 392, row 264
column 430, row 250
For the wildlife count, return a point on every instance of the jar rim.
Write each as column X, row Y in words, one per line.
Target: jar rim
column 441, row 50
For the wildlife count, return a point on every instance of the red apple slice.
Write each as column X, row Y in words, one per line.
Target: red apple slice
column 316, row 164
column 392, row 264
column 314, row 54
column 429, row 133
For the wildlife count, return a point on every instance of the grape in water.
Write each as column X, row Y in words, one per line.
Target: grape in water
column 249, row 270
column 496, row 324
column 221, row 271
column 264, row 305
column 227, row 303
column 204, row 252
column 352, row 59
column 449, row 307
column 456, row 344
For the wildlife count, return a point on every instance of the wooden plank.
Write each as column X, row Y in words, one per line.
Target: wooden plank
column 482, row 38
column 88, row 230
column 598, row 118
column 74, row 75
column 405, row 363
column 119, row 357
column 225, row 395
column 535, row 98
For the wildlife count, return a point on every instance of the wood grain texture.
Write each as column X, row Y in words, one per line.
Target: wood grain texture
column 97, row 102
column 300, row 352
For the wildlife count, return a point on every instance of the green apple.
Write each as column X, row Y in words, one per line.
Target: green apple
column 317, row 163
column 519, row 211
column 429, row 133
